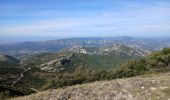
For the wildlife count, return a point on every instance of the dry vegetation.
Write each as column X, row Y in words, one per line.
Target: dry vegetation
column 146, row 87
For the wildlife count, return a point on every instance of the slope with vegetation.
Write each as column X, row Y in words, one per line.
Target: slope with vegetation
column 6, row 61
column 145, row 87
column 154, row 63
column 95, row 58
column 157, row 62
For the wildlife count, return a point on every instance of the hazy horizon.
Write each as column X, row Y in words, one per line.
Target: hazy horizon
column 11, row 39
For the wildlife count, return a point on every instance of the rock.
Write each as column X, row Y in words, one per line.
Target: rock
column 153, row 88
column 142, row 87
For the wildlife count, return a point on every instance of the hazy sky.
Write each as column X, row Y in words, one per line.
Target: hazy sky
column 76, row 18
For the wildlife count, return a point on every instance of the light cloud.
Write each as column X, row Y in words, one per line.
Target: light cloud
column 129, row 19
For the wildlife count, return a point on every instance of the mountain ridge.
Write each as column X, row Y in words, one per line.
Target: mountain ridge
column 71, row 57
column 15, row 49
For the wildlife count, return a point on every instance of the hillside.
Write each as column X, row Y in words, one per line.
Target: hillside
column 37, row 71
column 89, row 57
column 146, row 87
column 157, row 62
column 8, row 61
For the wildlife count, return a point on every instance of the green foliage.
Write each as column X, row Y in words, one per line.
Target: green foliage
column 156, row 62
column 98, row 62
column 31, row 79
column 8, row 61
column 8, row 64
column 96, row 58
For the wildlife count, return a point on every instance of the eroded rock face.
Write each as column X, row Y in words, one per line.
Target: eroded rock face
column 79, row 49
column 65, row 60
column 55, row 65
column 152, row 87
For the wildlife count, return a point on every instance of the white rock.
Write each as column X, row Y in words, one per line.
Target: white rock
column 153, row 88
column 142, row 87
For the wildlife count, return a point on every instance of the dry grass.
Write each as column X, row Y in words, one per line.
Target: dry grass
column 151, row 87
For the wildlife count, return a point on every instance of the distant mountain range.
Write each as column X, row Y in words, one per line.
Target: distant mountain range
column 15, row 49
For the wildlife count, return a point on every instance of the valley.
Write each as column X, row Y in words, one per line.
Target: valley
column 84, row 50
column 29, row 73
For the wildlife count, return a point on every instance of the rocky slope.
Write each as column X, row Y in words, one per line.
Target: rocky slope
column 115, row 48
column 146, row 87
column 91, row 57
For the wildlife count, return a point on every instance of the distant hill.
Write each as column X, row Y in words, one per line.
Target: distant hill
column 158, row 62
column 96, row 58
column 15, row 49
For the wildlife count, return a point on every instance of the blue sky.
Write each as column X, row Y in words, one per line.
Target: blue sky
column 78, row 18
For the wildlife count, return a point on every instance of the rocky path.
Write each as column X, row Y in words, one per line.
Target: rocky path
column 20, row 77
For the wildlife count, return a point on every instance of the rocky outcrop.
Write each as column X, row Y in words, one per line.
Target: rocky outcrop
column 55, row 65
column 79, row 49
column 115, row 48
